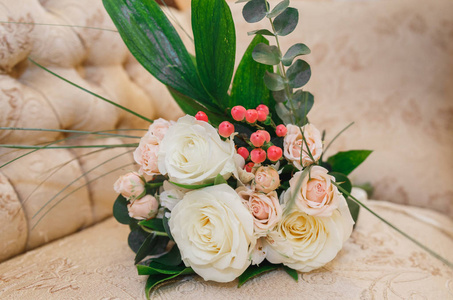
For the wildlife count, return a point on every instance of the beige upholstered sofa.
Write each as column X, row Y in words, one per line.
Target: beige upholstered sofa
column 385, row 64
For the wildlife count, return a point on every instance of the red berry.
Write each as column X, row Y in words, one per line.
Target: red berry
column 274, row 153
column 226, row 129
column 262, row 116
column 248, row 167
column 258, row 155
column 266, row 134
column 257, row 139
column 201, row 116
column 243, row 152
column 281, row 130
column 251, row 115
column 263, row 108
column 238, row 113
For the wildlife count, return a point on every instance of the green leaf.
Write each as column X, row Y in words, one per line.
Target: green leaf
column 191, row 107
column 136, row 237
column 192, row 186
column 291, row 272
column 302, row 102
column 153, row 224
column 299, row 74
column 248, row 84
column 283, row 113
column 278, row 9
column 254, row 11
column 165, row 220
column 154, row 280
column 219, row 180
column 153, row 41
column 120, row 211
column 273, row 81
column 145, row 248
column 253, row 271
column 345, row 183
column 172, row 258
column 346, row 162
column 280, row 96
column 267, row 55
column 261, row 31
column 215, row 46
column 154, row 269
column 293, row 52
column 286, row 22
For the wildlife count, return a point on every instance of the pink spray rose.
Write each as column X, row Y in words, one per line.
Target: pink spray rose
column 130, row 185
column 293, row 144
column 266, row 180
column 143, row 208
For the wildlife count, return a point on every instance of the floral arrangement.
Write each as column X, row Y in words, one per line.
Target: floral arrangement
column 239, row 185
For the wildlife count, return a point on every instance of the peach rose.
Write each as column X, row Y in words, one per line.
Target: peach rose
column 146, row 155
column 159, row 128
column 266, row 180
column 131, row 185
column 317, row 195
column 293, row 144
column 143, row 208
column 265, row 209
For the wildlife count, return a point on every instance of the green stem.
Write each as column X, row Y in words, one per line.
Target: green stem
column 333, row 140
column 154, row 185
column 59, row 25
column 68, row 147
column 103, row 132
column 159, row 233
column 434, row 254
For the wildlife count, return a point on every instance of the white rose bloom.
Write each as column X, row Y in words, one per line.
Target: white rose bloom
column 214, row 232
column 305, row 242
column 171, row 195
column 193, row 153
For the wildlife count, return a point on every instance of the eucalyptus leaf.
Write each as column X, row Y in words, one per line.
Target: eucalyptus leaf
column 261, row 31
column 346, row 162
column 278, row 9
column 299, row 74
column 248, row 88
column 120, row 211
column 215, row 46
column 254, row 11
column 145, row 248
column 274, row 82
column 265, row 54
column 283, row 113
column 293, row 52
column 153, row 224
column 154, row 42
column 253, row 271
column 302, row 102
column 286, row 22
column 154, row 280
column 280, row 96
column 136, row 238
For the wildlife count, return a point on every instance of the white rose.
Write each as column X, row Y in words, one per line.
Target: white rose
column 305, row 242
column 171, row 195
column 214, row 232
column 192, row 153
column 293, row 144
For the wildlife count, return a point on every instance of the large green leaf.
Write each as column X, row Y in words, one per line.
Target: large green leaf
column 153, row 41
column 145, row 248
column 120, row 211
column 253, row 271
column 346, row 162
column 154, row 280
column 249, row 89
column 215, row 45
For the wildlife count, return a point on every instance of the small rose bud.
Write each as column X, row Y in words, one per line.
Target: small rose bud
column 143, row 208
column 263, row 108
column 251, row 115
column 130, row 185
column 266, row 134
column 257, row 139
column 242, row 151
column 258, row 155
column 281, row 130
column 266, row 180
column 201, row 116
column 274, row 153
column 238, row 112
column 226, row 129
column 249, row 167
column 262, row 116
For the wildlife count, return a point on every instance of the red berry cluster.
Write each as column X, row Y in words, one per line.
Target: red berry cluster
column 259, row 139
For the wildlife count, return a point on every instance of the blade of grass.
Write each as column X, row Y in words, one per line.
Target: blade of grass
column 59, row 25
column 71, row 131
column 333, row 140
column 427, row 249
column 68, row 147
column 91, row 93
column 75, row 190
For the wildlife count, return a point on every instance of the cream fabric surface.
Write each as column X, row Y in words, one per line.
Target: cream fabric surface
column 376, row 263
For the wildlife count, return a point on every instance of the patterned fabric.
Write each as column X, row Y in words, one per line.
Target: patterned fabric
column 376, row 263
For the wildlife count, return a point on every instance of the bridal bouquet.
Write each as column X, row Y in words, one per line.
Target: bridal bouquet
column 238, row 186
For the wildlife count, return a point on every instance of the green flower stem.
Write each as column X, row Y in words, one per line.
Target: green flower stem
column 433, row 253
column 102, row 132
column 69, row 147
column 152, row 231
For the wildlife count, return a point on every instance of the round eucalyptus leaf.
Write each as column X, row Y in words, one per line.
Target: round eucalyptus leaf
column 254, row 11
column 267, row 55
column 278, row 9
column 299, row 74
column 293, row 52
column 283, row 113
column 286, row 22
column 274, row 82
column 279, row 96
column 261, row 31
